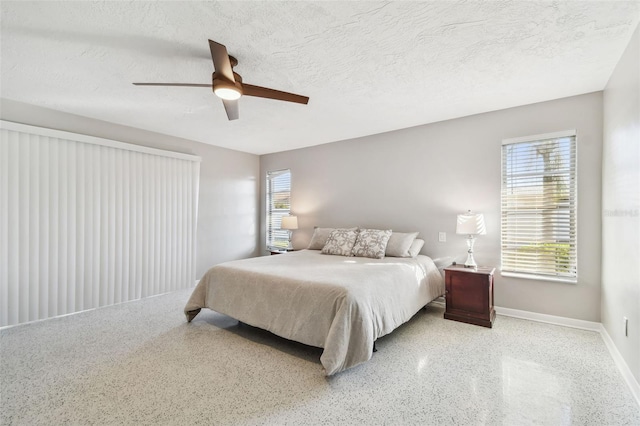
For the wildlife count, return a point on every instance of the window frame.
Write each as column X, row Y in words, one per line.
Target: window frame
column 572, row 228
column 270, row 230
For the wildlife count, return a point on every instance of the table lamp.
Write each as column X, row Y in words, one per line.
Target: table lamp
column 289, row 223
column 471, row 224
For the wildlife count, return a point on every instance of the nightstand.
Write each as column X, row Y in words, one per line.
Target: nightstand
column 469, row 295
column 279, row 251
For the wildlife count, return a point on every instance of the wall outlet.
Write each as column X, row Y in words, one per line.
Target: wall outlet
column 625, row 323
column 442, row 237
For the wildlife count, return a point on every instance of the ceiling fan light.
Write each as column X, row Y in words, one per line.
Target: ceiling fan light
column 227, row 93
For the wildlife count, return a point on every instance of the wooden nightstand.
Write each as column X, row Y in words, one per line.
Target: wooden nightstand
column 469, row 295
column 279, row 251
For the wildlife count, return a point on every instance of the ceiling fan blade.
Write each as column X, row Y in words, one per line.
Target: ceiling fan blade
column 221, row 62
column 172, row 84
column 232, row 109
column 263, row 92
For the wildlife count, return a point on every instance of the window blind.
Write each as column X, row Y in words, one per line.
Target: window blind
column 278, row 205
column 539, row 206
column 88, row 222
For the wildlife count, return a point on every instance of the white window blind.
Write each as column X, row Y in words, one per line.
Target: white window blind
column 539, row 206
column 278, row 205
column 87, row 222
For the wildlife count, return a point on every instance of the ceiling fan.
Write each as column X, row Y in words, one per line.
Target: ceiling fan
column 228, row 85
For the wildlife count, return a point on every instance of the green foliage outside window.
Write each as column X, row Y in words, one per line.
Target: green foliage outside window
column 557, row 251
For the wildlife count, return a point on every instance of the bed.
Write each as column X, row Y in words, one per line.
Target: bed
column 341, row 304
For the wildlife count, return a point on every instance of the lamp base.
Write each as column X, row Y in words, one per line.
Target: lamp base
column 290, row 246
column 470, row 263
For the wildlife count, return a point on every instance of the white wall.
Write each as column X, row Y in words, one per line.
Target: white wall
column 419, row 179
column 621, row 205
column 228, row 201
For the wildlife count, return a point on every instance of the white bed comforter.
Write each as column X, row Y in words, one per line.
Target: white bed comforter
column 341, row 304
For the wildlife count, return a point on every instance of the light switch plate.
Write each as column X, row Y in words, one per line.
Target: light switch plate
column 442, row 237
column 625, row 324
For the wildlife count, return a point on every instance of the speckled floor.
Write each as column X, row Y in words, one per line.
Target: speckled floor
column 141, row 363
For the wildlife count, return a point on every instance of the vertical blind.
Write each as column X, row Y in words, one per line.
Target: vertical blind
column 278, row 205
column 539, row 205
column 87, row 222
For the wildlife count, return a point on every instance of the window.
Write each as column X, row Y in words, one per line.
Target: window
column 278, row 205
column 539, row 231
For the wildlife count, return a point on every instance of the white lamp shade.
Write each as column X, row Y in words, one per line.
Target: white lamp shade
column 289, row 222
column 471, row 224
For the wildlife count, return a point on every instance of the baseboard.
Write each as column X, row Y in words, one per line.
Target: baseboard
column 549, row 319
column 583, row 325
column 6, row 327
column 622, row 365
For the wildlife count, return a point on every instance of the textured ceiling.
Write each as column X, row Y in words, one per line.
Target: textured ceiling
column 368, row 67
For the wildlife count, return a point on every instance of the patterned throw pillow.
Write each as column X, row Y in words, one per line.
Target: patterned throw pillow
column 320, row 236
column 371, row 243
column 340, row 242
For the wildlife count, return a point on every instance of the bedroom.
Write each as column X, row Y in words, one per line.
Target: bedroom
column 431, row 158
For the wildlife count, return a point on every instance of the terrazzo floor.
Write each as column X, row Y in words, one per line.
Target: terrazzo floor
column 141, row 363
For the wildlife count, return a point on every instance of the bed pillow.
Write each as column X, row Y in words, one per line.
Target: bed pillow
column 340, row 242
column 400, row 243
column 371, row 243
column 319, row 238
column 416, row 246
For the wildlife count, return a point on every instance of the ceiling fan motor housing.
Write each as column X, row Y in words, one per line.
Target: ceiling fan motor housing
column 220, row 82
